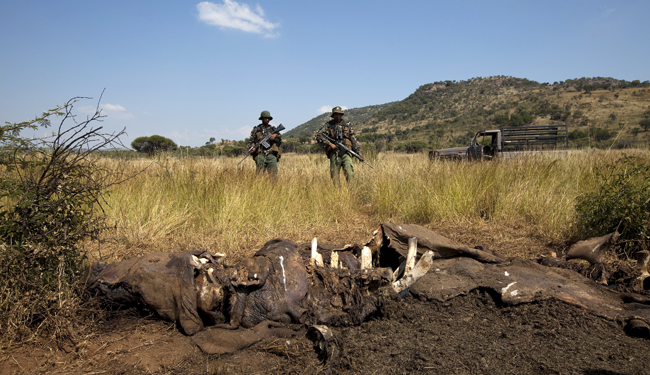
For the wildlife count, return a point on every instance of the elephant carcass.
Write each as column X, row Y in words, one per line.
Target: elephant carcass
column 521, row 281
column 390, row 245
column 163, row 282
column 268, row 286
column 275, row 284
column 278, row 284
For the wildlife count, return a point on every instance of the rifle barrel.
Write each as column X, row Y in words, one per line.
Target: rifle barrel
column 345, row 148
column 277, row 130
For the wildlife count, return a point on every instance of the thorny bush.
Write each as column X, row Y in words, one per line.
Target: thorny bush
column 620, row 201
column 51, row 196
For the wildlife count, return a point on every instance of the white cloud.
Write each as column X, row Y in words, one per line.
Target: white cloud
column 233, row 15
column 325, row 108
column 113, row 107
column 115, row 111
column 111, row 111
column 328, row 108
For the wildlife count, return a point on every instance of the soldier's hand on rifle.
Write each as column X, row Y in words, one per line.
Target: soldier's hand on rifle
column 272, row 137
column 362, row 158
column 251, row 149
column 332, row 147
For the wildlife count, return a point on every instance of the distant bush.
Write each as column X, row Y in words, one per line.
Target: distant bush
column 290, row 145
column 624, row 143
column 602, row 134
column 577, row 134
column 645, row 124
column 370, row 130
column 208, row 150
column 620, row 201
column 501, row 119
column 151, row 145
column 415, row 146
column 372, row 137
column 238, row 150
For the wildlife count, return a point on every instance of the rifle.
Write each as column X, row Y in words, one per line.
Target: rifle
column 344, row 148
column 264, row 142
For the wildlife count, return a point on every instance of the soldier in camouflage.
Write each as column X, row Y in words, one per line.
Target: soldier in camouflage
column 342, row 132
column 266, row 159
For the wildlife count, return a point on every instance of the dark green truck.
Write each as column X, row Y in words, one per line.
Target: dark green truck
column 508, row 141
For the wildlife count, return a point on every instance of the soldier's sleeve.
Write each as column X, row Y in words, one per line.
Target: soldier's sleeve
column 278, row 139
column 355, row 144
column 319, row 138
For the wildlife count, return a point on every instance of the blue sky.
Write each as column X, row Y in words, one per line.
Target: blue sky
column 191, row 70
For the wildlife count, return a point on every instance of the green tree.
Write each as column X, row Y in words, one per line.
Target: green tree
column 151, row 145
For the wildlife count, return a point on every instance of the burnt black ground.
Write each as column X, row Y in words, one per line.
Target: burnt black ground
column 467, row 335
column 472, row 335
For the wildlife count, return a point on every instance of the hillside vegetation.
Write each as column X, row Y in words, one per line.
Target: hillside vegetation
column 600, row 112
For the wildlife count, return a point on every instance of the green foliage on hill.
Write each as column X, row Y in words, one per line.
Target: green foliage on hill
column 446, row 113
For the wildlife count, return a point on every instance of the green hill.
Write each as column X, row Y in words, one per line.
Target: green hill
column 599, row 111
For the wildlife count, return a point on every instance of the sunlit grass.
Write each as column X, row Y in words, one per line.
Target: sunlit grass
column 212, row 204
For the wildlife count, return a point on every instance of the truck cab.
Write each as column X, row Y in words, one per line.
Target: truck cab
column 485, row 145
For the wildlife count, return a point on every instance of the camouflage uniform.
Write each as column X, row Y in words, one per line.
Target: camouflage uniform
column 343, row 133
column 265, row 159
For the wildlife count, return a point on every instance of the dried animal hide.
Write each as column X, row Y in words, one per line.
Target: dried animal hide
column 163, row 282
column 395, row 237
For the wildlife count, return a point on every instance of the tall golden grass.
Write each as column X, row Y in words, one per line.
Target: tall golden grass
column 210, row 204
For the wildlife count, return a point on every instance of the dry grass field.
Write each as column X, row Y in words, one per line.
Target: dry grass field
column 516, row 206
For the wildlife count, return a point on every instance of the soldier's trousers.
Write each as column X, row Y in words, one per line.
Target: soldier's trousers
column 267, row 163
column 336, row 163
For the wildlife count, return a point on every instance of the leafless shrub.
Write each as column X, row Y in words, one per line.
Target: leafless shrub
column 51, row 202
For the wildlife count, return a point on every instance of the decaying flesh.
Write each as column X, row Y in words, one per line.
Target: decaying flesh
column 281, row 282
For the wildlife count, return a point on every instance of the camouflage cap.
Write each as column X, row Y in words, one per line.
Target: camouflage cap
column 337, row 109
column 266, row 114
